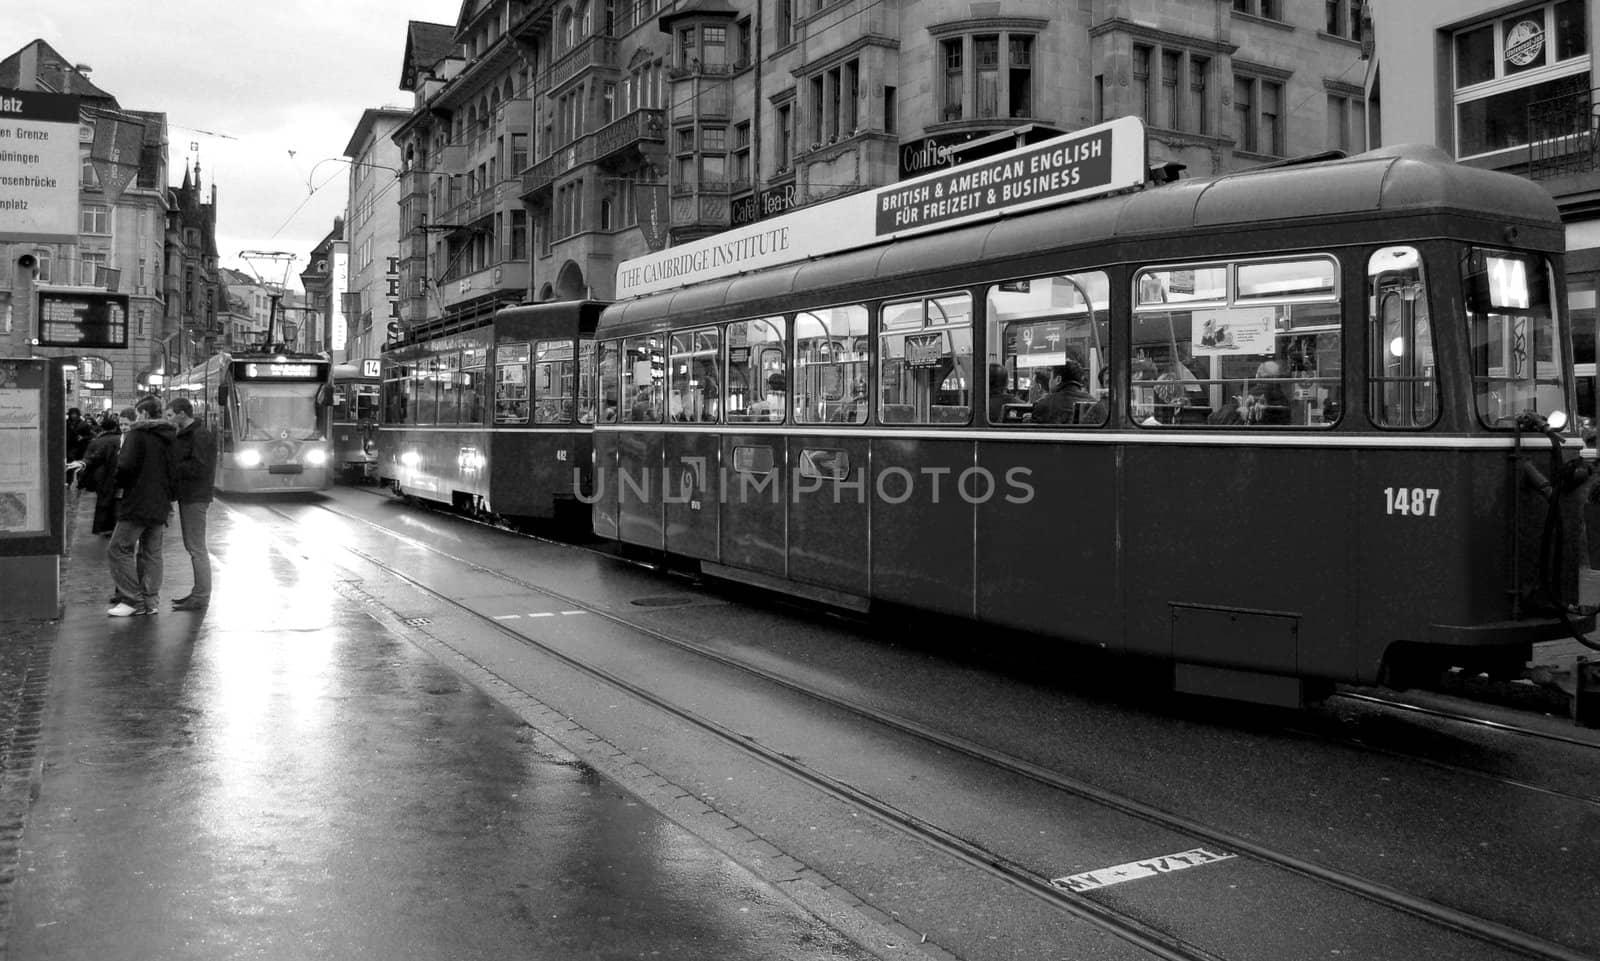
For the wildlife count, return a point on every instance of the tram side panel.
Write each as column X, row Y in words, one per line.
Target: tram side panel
column 531, row 472
column 1451, row 537
column 922, row 529
column 640, row 518
column 603, row 510
column 692, row 462
column 1047, row 538
column 828, row 511
column 1237, row 558
column 752, row 514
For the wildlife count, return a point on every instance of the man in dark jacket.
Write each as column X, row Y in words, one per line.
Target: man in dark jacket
column 144, row 475
column 194, row 466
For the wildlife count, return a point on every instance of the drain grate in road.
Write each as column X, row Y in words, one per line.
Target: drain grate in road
column 416, row 621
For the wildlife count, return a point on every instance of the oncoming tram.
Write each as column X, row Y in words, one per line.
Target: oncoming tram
column 1278, row 429
column 492, row 416
column 353, row 421
column 269, row 414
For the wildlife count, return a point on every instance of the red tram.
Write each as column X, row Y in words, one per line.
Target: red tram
column 492, row 416
column 1308, row 427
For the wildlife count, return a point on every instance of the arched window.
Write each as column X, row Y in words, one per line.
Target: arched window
column 569, row 25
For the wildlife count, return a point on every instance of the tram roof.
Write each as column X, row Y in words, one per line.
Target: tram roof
column 1398, row 179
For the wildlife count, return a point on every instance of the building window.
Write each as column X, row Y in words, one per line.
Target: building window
column 741, row 43
column 1344, row 19
column 833, row 108
column 1141, row 82
column 890, row 109
column 1174, row 98
column 41, row 257
column 741, row 154
column 1522, row 78
column 785, row 24
column 714, row 46
column 784, row 147
column 94, row 219
column 1258, row 115
column 986, row 76
column 1347, row 122
column 1265, row 9
column 89, row 267
column 951, row 103
column 88, row 179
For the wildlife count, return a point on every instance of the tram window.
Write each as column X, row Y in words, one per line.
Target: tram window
column 828, row 463
column 1236, row 344
column 643, row 359
column 757, row 383
column 694, row 392
column 830, row 366
column 553, row 370
column 425, row 391
column 449, row 381
column 1516, row 352
column 1280, row 280
column 511, row 395
column 753, row 460
column 470, row 385
column 1189, row 284
column 397, row 394
column 607, row 368
column 1402, row 370
column 1036, row 327
column 586, row 381
column 925, row 361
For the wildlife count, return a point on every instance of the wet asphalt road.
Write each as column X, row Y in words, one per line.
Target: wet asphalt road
column 282, row 778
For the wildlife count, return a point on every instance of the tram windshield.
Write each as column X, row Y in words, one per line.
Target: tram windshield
column 277, row 411
column 1513, row 331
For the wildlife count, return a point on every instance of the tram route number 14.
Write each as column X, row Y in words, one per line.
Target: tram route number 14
column 1412, row 501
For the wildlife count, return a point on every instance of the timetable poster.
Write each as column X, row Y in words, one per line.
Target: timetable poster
column 22, row 445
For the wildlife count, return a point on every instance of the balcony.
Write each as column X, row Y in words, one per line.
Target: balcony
column 512, row 275
column 630, row 132
column 594, row 52
column 1563, row 136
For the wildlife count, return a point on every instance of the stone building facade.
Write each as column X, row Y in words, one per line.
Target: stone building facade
column 550, row 140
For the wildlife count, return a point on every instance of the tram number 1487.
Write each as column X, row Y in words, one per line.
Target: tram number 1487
column 1412, row 501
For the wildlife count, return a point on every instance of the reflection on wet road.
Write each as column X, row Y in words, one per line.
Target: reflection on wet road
column 283, row 779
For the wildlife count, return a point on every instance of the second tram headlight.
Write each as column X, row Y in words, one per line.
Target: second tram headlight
column 410, row 458
column 249, row 458
column 316, row 457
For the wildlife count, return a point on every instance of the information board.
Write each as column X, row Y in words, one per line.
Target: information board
column 88, row 319
column 38, row 166
column 23, row 506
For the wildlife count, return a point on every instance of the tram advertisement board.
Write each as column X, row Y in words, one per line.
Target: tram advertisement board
column 83, row 319
column 1076, row 166
column 38, row 166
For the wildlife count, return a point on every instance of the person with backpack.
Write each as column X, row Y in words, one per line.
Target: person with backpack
column 145, row 479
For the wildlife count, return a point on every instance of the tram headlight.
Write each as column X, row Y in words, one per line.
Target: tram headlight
column 1557, row 420
column 410, row 458
column 248, row 458
column 316, row 457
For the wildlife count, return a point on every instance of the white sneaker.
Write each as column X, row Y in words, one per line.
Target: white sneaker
column 123, row 610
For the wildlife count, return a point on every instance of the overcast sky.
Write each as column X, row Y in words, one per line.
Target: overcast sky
column 265, row 90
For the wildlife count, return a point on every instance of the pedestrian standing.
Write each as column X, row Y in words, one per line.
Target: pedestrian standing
column 100, row 469
column 194, row 466
column 144, row 478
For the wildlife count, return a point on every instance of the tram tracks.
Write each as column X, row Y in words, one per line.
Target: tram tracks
column 1124, row 925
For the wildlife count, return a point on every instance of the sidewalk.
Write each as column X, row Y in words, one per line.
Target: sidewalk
column 282, row 777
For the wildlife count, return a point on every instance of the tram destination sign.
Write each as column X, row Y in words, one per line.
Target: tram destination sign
column 1097, row 160
column 92, row 320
